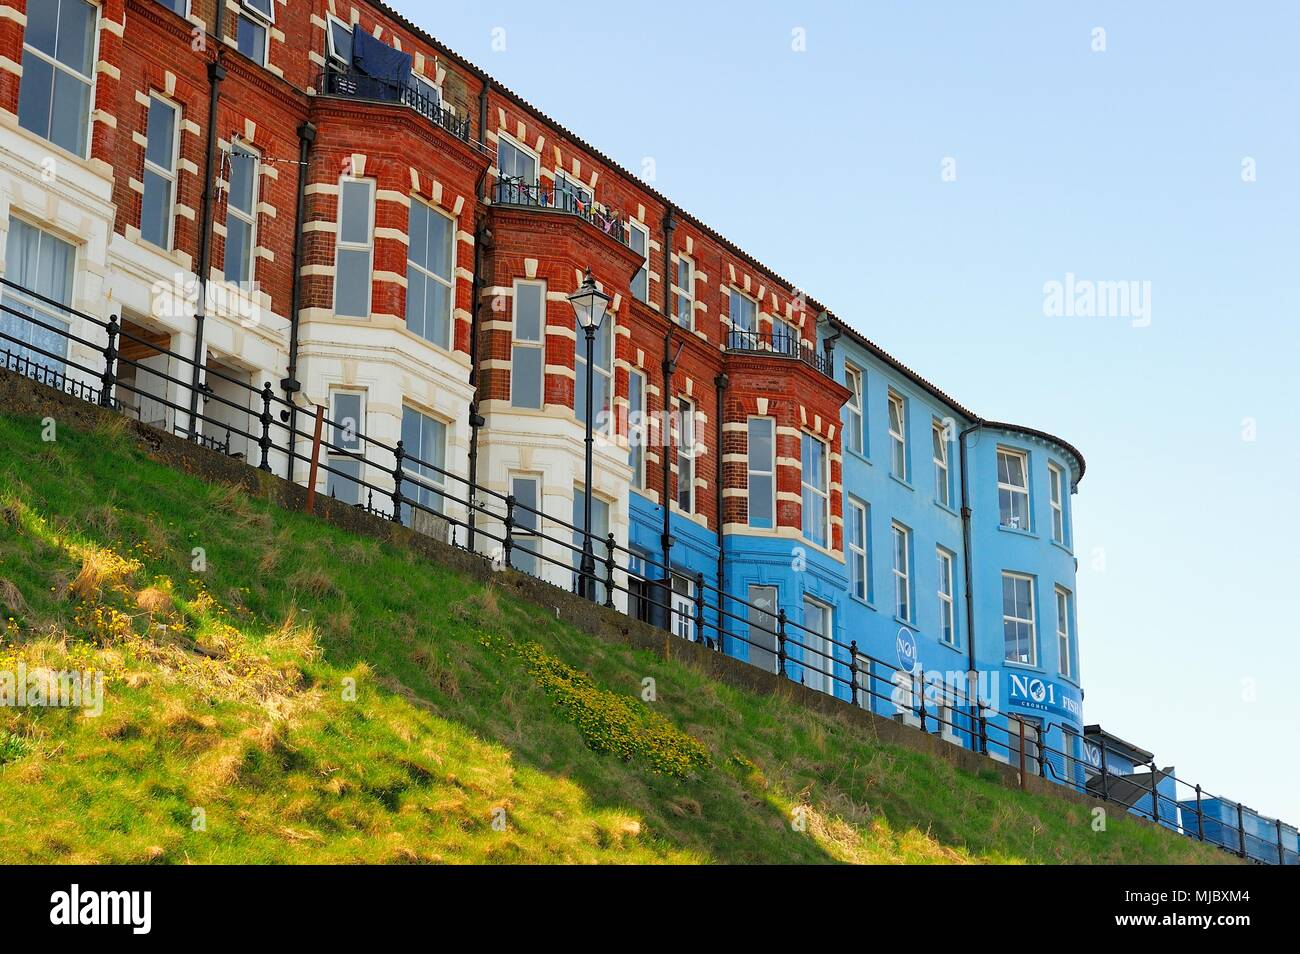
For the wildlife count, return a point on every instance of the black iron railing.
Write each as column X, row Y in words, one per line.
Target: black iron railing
column 434, row 500
column 561, row 198
column 778, row 342
column 339, row 81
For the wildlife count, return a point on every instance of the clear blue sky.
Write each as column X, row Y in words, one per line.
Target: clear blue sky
column 1116, row 165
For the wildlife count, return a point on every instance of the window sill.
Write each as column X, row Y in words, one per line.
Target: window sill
column 901, row 480
column 946, row 508
column 1063, row 547
column 1027, row 667
column 1018, row 532
column 860, row 455
column 861, row 602
column 908, row 623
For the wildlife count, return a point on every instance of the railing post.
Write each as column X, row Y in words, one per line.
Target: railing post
column 110, row 365
column 1281, row 853
column 509, row 543
column 1241, row 833
column 399, row 455
column 315, row 459
column 264, row 442
column 853, row 671
column 918, row 700
column 1021, row 723
column 780, row 642
column 1200, row 817
column 609, row 571
column 1041, row 733
column 983, row 737
column 1155, row 795
column 1105, row 773
column 699, row 610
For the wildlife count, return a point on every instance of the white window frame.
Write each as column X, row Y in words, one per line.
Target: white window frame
column 823, row 492
column 580, row 374
column 634, row 226
column 820, row 667
column 448, row 283
column 337, row 456
column 897, row 438
column 20, row 301
column 533, row 534
column 686, row 453
column 571, row 185
column 1069, row 754
column 517, row 342
column 1064, row 637
column 637, row 427
column 170, row 176
column 942, row 474
column 516, row 144
column 734, row 293
column 947, row 602
column 683, row 607
column 859, row 517
column 428, row 89
column 89, row 80
column 1033, row 626
column 264, row 19
column 422, row 459
column 751, row 471
column 1014, row 490
column 853, row 407
column 686, row 294
column 902, row 574
column 1056, row 497
column 368, row 247
column 248, row 218
column 331, row 53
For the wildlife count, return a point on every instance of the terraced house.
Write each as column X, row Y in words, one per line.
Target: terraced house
column 319, row 196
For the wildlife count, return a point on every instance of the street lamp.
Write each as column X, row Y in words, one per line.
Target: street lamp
column 589, row 306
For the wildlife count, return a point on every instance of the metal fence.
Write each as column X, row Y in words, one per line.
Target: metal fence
column 433, row 500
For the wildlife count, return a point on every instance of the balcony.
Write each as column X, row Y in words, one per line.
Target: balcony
column 536, row 195
column 353, row 84
column 781, row 344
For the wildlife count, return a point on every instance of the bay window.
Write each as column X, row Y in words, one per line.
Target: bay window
column 430, row 274
column 528, row 346
column 762, row 472
column 57, row 85
column 158, row 203
column 352, row 262
column 815, row 476
column 1013, row 489
column 1018, row 637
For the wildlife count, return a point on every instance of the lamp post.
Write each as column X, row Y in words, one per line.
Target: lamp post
column 589, row 306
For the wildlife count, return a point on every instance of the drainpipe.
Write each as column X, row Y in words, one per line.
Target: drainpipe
column 720, row 385
column 216, row 73
column 972, row 676
column 482, row 238
column 669, row 366
column 483, row 110
column 291, row 385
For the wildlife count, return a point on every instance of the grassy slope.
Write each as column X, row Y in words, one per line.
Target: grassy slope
column 237, row 707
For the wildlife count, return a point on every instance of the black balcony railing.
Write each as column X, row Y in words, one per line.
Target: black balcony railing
column 561, row 198
column 784, row 343
column 353, row 84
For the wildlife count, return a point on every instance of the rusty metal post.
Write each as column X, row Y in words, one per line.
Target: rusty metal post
column 315, row 458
